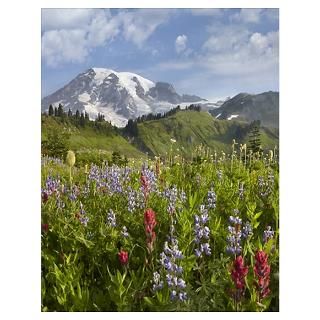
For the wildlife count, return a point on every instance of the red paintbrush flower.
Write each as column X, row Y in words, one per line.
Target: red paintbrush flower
column 150, row 223
column 238, row 274
column 145, row 186
column 44, row 197
column 123, row 257
column 262, row 272
column 45, row 227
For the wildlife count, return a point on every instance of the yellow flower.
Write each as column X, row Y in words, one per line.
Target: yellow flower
column 71, row 158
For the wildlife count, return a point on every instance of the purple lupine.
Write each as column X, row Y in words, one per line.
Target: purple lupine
column 83, row 217
column 111, row 218
column 237, row 233
column 157, row 282
column 45, row 160
column 183, row 197
column 246, row 230
column 265, row 186
column 202, row 233
column 171, row 194
column 131, row 200
column 211, row 199
column 234, row 236
column 173, row 271
column 86, row 191
column 74, row 192
column 135, row 199
column 52, row 185
column 150, row 179
column 268, row 234
column 124, row 232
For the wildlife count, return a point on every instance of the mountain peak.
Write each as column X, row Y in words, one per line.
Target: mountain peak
column 118, row 95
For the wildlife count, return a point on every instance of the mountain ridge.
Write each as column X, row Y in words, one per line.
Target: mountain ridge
column 119, row 96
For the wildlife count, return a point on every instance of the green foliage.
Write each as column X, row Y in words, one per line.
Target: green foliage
column 80, row 266
column 56, row 143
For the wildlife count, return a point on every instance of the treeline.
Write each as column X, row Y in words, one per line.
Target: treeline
column 132, row 126
column 81, row 119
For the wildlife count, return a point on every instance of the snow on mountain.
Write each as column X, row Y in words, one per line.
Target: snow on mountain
column 119, row 96
column 232, row 116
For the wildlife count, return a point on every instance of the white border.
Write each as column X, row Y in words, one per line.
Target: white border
column 20, row 162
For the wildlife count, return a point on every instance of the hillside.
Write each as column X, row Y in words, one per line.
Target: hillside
column 88, row 139
column 189, row 129
column 250, row 107
column 192, row 128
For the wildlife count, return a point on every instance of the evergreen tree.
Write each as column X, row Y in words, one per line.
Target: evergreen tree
column 82, row 121
column 86, row 115
column 254, row 137
column 69, row 113
column 55, row 112
column 132, row 128
column 51, row 112
column 77, row 114
column 60, row 110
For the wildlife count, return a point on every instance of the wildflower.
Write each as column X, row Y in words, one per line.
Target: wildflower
column 150, row 223
column 157, row 283
column 262, row 272
column 169, row 260
column 111, row 218
column 219, row 174
column 183, row 196
column 211, row 199
column 123, row 257
column 71, row 158
column 171, row 194
column 148, row 181
column 202, row 231
column 238, row 274
column 82, row 216
column 124, row 232
column 84, row 220
column 45, row 227
column 44, row 196
column 268, row 234
column 234, row 236
column 246, row 230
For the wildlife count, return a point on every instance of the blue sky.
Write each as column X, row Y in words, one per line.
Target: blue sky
column 213, row 53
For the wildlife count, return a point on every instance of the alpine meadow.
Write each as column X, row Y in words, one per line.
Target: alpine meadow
column 160, row 160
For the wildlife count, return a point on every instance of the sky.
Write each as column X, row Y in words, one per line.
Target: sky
column 213, row 53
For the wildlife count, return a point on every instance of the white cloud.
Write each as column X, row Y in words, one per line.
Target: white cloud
column 57, row 19
column 138, row 26
column 60, row 46
column 68, row 35
column 243, row 53
column 181, row 43
column 248, row 15
column 233, row 51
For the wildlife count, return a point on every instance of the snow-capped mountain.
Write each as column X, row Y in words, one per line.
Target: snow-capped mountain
column 119, row 96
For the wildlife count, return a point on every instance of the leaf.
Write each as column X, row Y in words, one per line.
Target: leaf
column 257, row 215
column 148, row 301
